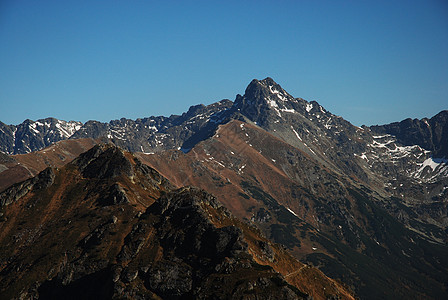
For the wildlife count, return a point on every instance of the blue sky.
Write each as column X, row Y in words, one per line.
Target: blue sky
column 371, row 62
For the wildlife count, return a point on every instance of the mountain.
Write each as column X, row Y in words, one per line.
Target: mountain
column 321, row 217
column 34, row 135
column 107, row 226
column 23, row 166
column 430, row 134
column 145, row 135
column 367, row 205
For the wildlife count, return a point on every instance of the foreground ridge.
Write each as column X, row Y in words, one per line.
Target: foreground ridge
column 107, row 226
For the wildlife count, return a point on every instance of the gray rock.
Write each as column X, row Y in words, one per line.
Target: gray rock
column 43, row 180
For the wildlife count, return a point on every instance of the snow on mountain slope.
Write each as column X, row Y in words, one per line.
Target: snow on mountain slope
column 331, row 191
column 35, row 135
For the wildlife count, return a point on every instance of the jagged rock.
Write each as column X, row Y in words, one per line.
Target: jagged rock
column 34, row 135
column 115, row 195
column 133, row 243
column 5, row 158
column 188, row 227
column 128, row 275
column 266, row 250
column 152, row 176
column 114, row 219
column 104, row 161
column 430, row 134
column 170, row 279
column 266, row 288
column 43, row 180
column 116, row 272
column 262, row 216
column 146, row 135
column 95, row 237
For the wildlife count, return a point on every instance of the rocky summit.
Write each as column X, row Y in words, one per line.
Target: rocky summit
column 297, row 191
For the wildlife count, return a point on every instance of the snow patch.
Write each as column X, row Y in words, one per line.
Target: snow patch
column 33, row 127
column 433, row 163
column 290, row 210
column 381, row 136
column 288, row 110
column 271, row 102
column 297, row 135
column 308, row 107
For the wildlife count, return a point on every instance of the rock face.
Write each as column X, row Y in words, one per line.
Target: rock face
column 92, row 229
column 104, row 161
column 198, row 250
column 146, row 135
column 35, row 135
column 430, row 134
column 306, row 125
column 19, row 190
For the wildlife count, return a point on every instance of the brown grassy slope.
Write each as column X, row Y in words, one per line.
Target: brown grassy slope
column 55, row 155
column 53, row 238
column 224, row 163
column 23, row 166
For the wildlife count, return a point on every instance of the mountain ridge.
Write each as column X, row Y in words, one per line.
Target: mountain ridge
column 357, row 202
column 115, row 228
column 31, row 135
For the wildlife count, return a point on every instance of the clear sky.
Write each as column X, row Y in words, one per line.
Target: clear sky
column 371, row 62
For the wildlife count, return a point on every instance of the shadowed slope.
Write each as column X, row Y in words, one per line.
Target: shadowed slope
column 107, row 226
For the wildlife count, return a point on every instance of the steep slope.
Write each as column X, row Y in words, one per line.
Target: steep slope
column 11, row 171
column 410, row 173
column 107, row 226
column 430, row 134
column 329, row 139
column 157, row 133
column 35, row 135
column 19, row 167
column 146, row 135
column 323, row 218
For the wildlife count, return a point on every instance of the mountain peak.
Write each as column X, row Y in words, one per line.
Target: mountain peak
column 268, row 81
column 263, row 87
column 264, row 96
column 104, row 161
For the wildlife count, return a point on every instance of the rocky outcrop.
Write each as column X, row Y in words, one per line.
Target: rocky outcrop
column 104, row 161
column 34, row 135
column 198, row 255
column 430, row 134
column 115, row 195
column 185, row 226
column 19, row 190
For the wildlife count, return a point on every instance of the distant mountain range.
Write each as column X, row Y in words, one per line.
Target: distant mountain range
column 368, row 206
column 175, row 132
